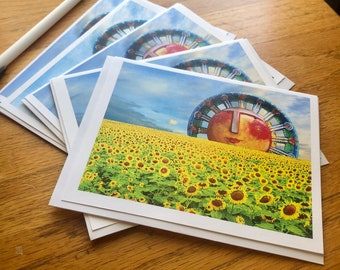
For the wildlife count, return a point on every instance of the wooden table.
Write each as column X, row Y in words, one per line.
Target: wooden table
column 299, row 38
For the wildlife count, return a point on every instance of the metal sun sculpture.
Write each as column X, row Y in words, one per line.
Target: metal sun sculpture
column 116, row 32
column 244, row 120
column 163, row 42
column 214, row 67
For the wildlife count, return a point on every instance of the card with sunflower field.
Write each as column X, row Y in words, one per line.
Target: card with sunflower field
column 220, row 159
column 231, row 59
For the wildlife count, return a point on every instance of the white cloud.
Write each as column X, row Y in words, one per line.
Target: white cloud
column 172, row 122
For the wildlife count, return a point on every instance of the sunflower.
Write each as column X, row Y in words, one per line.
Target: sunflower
column 199, row 167
column 126, row 163
column 115, row 194
column 166, row 204
column 149, row 169
column 279, row 187
column 266, row 189
column 224, row 171
column 113, row 183
column 265, row 199
column 185, row 179
column 289, row 185
column 165, row 160
column 239, row 220
column 308, row 189
column 183, row 162
column 140, row 165
column 298, row 187
column 303, row 216
column 96, row 157
column 213, row 166
column 128, row 197
column 305, row 205
column 180, row 207
column 142, row 200
column 263, row 181
column 203, row 185
column 221, row 192
column 193, row 174
column 216, row 204
column 89, row 176
column 237, row 196
column 91, row 162
column 129, row 157
column 307, row 224
column 268, row 219
column 212, row 181
column 290, row 211
column 246, row 180
column 191, row 190
column 110, row 150
column 191, row 211
column 103, row 145
column 154, row 161
column 182, row 170
column 164, row 171
column 99, row 185
column 110, row 161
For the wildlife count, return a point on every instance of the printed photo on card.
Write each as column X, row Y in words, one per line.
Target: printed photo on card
column 174, row 30
column 233, row 60
column 220, row 159
column 11, row 95
column 122, row 20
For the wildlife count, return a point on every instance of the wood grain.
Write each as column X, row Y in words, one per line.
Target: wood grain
column 299, row 38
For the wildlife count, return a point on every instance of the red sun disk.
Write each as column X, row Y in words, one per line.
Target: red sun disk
column 252, row 132
column 170, row 48
column 259, row 129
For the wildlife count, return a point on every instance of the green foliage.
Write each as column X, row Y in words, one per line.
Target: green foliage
column 199, row 176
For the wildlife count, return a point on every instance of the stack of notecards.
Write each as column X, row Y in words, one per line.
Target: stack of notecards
column 172, row 123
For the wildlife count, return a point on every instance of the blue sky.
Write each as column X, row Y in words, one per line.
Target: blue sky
column 82, row 48
column 238, row 54
column 172, row 18
column 61, row 43
column 165, row 100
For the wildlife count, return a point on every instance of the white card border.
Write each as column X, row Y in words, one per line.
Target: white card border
column 65, row 197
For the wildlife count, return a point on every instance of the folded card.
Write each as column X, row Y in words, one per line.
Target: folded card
column 220, row 159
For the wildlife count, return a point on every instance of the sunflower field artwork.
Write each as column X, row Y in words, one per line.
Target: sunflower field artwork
column 201, row 177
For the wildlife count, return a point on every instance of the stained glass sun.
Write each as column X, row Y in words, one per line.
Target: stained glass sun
column 116, row 32
column 162, row 42
column 214, row 67
column 246, row 121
